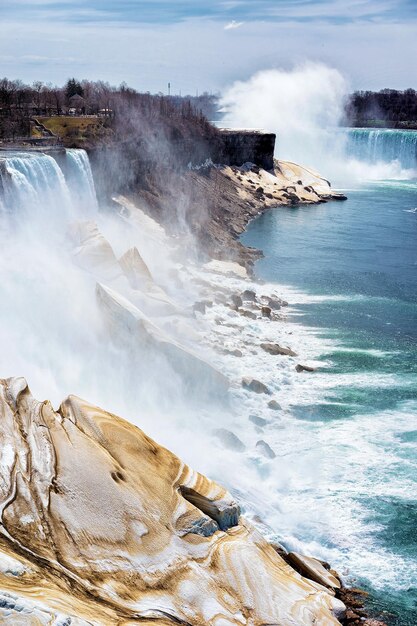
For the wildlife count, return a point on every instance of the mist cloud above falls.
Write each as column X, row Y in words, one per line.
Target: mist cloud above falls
column 301, row 106
column 305, row 107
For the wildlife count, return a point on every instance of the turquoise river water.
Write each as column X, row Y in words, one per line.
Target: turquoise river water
column 356, row 263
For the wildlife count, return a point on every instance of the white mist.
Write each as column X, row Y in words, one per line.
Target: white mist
column 305, row 108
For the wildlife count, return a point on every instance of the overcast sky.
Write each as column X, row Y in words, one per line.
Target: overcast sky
column 202, row 45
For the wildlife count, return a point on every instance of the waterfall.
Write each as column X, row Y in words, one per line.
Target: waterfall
column 35, row 183
column 80, row 177
column 49, row 324
column 383, row 146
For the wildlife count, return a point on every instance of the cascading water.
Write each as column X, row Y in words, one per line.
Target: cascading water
column 39, row 285
column 56, row 332
column 35, row 182
column 80, row 177
column 32, row 182
column 383, row 146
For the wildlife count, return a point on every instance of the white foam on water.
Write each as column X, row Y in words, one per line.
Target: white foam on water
column 371, row 351
column 317, row 495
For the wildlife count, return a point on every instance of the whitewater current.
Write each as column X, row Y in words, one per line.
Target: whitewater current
column 349, row 272
column 312, row 493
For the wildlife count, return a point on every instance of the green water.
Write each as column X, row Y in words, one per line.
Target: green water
column 356, row 263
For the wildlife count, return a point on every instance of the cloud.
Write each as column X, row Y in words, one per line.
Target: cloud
column 35, row 58
column 174, row 11
column 232, row 25
column 372, row 53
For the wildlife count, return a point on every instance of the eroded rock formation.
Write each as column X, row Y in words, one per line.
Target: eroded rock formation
column 101, row 524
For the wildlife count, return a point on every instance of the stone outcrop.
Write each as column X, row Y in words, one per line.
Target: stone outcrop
column 236, row 194
column 265, row 449
column 303, row 368
column 275, row 349
column 274, row 405
column 314, row 570
column 138, row 312
column 251, row 384
column 101, row 525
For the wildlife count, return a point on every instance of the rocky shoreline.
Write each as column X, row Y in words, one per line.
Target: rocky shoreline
column 217, row 202
column 255, row 191
column 271, row 308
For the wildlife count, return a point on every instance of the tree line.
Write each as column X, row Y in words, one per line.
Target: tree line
column 19, row 103
column 388, row 107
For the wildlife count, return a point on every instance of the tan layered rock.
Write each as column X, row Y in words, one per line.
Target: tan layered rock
column 135, row 269
column 287, row 183
column 313, row 569
column 104, row 525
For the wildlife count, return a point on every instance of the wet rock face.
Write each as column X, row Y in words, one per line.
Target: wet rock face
column 101, row 522
column 275, row 349
column 313, row 569
column 303, row 368
column 237, row 300
column 229, row 439
column 356, row 614
column 265, row 449
column 258, row 421
column 248, row 296
column 251, row 384
column 234, row 352
column 274, row 405
column 276, row 303
column 248, row 313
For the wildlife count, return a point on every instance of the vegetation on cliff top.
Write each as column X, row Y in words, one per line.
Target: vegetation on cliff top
column 86, row 112
column 388, row 107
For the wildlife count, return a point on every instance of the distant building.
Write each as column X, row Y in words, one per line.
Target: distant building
column 105, row 112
